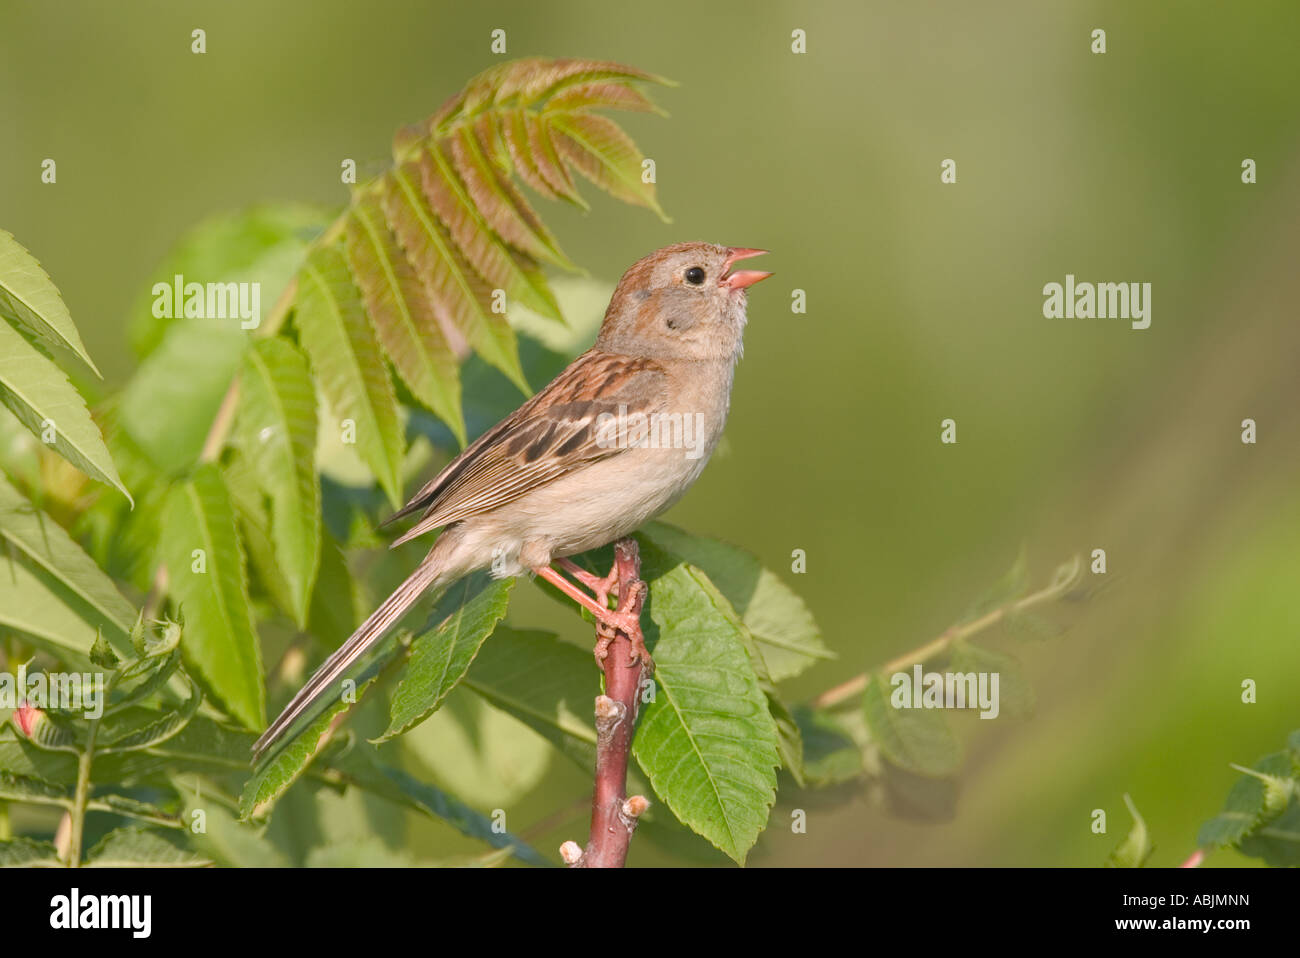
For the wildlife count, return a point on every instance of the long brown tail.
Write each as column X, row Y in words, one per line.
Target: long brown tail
column 366, row 636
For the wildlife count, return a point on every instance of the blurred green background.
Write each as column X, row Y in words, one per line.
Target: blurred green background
column 924, row 302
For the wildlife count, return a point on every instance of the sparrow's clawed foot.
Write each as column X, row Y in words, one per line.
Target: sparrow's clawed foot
column 603, row 586
column 611, row 620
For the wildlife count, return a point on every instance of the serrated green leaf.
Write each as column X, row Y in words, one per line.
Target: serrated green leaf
column 491, row 193
column 168, row 725
column 219, row 643
column 547, row 684
column 602, row 95
column 26, row 853
column 53, row 733
column 263, row 244
column 65, row 571
column 534, row 158
column 707, row 742
column 255, row 533
column 139, row 847
column 1136, row 848
column 508, row 267
column 34, row 604
column 29, row 297
column 277, row 422
column 450, row 281
column 915, row 739
column 403, row 315
column 20, row 788
column 597, row 148
column 287, row 765
column 39, row 394
column 154, row 678
column 339, row 340
column 466, row 615
column 202, row 746
column 778, row 618
column 1277, row 841
column 101, row 654
column 168, row 406
column 1245, row 807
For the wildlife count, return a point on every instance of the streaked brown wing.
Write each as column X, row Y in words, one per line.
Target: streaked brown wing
column 551, row 435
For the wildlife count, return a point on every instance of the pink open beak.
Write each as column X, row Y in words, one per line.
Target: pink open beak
column 742, row 278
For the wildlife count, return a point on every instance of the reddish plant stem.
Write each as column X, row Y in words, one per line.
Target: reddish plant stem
column 613, row 815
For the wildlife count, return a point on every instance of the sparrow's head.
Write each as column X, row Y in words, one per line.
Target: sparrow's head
column 682, row 301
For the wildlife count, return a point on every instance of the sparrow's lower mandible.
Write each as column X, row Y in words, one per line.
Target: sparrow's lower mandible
column 613, row 441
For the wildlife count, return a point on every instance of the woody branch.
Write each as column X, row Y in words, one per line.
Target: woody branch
column 614, row 816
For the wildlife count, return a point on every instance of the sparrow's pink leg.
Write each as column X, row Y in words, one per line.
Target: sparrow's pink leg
column 625, row 622
column 603, row 587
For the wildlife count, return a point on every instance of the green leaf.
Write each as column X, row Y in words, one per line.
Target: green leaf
column 466, row 615
column 597, row 148
column 495, row 254
column 505, row 210
column 403, row 315
column 255, row 533
column 335, row 611
column 482, row 755
column 603, row 95
column 202, row 746
column 224, row 839
column 64, row 570
column 1136, row 848
column 264, row 244
column 39, row 394
column 139, row 847
column 19, row 788
column 102, row 654
column 362, row 768
column 37, row 605
column 288, row 764
column 341, row 345
column 28, row 296
column 778, row 618
column 55, row 732
column 535, row 160
column 788, row 737
column 205, row 567
column 1246, row 805
column 153, row 733
column 277, row 419
column 1277, row 842
column 450, row 281
column 915, row 739
column 707, row 742
column 547, row 684
column 1015, row 695
column 26, row 853
column 168, row 406
column 831, row 756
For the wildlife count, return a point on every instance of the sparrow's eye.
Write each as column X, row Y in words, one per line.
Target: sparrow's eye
column 695, row 275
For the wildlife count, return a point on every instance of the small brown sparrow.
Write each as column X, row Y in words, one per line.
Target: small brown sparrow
column 614, row 440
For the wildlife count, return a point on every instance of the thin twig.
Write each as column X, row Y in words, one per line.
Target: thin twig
column 614, row 816
column 1066, row 578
